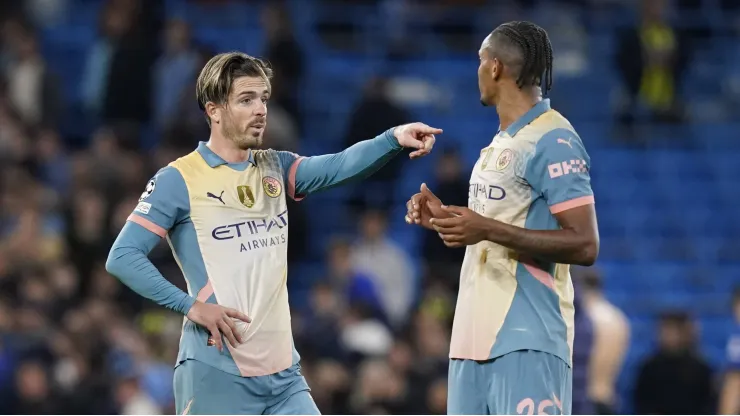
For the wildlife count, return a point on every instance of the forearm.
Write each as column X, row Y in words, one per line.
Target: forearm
column 564, row 246
column 129, row 263
column 356, row 162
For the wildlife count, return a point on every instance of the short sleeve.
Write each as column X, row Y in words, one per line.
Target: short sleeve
column 559, row 171
column 289, row 162
column 163, row 203
column 733, row 352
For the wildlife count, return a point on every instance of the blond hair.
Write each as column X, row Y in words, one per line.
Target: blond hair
column 218, row 74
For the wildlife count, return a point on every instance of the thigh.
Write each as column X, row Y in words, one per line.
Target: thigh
column 289, row 394
column 463, row 389
column 529, row 383
column 300, row 403
column 203, row 390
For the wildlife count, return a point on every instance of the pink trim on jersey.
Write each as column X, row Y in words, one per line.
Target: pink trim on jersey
column 156, row 229
column 573, row 203
column 205, row 292
column 291, row 179
column 544, row 277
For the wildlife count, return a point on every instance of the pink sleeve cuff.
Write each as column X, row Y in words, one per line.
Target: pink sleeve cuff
column 156, row 229
column 291, row 180
column 573, row 203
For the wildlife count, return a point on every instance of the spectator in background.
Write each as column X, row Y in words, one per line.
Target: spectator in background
column 354, row 286
column 388, row 265
column 380, row 390
column 317, row 329
column 583, row 342
column 372, row 116
column 173, row 73
column 331, row 387
column 113, row 25
column 33, row 390
column 729, row 403
column 285, row 56
column 452, row 187
column 52, row 162
column 128, row 91
column 189, row 125
column 651, row 58
column 31, row 87
column 362, row 335
column 675, row 379
column 132, row 400
column 611, row 332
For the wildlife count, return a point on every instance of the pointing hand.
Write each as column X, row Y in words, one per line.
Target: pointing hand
column 416, row 136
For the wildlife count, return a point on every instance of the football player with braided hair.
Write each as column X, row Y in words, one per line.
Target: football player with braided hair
column 530, row 215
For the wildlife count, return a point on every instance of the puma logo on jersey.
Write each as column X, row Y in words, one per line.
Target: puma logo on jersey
column 220, row 197
column 563, row 141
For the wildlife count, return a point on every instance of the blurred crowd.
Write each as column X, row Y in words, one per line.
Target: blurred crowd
column 74, row 340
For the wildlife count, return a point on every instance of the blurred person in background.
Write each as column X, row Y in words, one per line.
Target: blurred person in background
column 583, row 343
column 287, row 59
column 173, row 73
column 611, row 337
column 356, row 287
column 130, row 63
column 452, row 187
column 187, row 126
column 362, row 335
column 332, row 386
column 317, row 329
column 675, row 379
column 380, row 390
column 373, row 113
column 729, row 403
column 33, row 390
column 651, row 59
column 387, row 264
column 114, row 22
column 31, row 85
column 132, row 400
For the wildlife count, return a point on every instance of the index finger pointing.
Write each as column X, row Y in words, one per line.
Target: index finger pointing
column 233, row 313
column 423, row 128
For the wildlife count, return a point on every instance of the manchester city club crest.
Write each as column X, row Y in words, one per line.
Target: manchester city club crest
column 504, row 159
column 273, row 188
column 246, row 196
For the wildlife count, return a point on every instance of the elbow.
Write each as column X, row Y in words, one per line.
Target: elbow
column 588, row 253
column 113, row 263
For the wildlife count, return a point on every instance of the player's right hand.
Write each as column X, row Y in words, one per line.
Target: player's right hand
column 424, row 206
column 218, row 320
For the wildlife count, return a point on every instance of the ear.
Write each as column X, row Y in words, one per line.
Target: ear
column 214, row 112
column 497, row 69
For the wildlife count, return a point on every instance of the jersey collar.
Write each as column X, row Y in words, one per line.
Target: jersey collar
column 215, row 160
column 539, row 109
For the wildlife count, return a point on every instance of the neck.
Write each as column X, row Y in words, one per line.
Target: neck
column 226, row 149
column 514, row 104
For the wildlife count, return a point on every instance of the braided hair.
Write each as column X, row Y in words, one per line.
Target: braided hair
column 534, row 47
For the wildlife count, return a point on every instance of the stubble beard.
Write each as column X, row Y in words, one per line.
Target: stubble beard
column 243, row 140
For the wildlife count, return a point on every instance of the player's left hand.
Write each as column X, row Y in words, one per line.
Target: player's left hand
column 417, row 136
column 464, row 227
